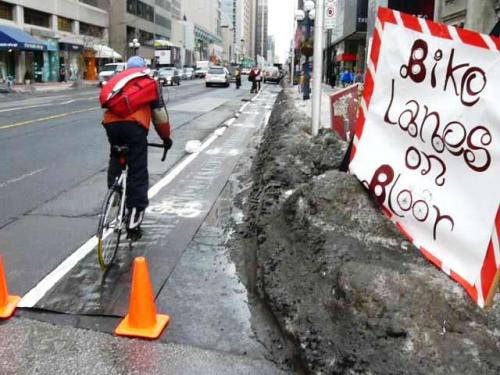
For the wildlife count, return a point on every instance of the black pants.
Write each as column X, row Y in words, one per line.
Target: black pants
column 254, row 87
column 135, row 137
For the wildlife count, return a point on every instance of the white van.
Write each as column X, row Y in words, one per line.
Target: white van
column 109, row 70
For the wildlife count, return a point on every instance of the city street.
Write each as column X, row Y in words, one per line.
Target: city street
column 52, row 183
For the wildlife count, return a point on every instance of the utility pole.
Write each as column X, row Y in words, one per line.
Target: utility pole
column 292, row 65
column 318, row 66
column 262, row 31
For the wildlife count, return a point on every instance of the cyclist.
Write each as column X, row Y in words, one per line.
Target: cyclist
column 132, row 131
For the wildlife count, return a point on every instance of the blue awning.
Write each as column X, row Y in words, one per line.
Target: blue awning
column 14, row 38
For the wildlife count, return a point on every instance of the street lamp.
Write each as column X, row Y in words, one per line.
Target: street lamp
column 135, row 45
column 307, row 15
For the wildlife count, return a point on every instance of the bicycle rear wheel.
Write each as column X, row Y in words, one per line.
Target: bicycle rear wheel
column 109, row 229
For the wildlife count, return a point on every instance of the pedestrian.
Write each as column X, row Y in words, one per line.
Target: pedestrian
column 332, row 78
column 237, row 77
column 132, row 130
column 62, row 74
column 359, row 77
column 258, row 79
column 251, row 77
column 345, row 78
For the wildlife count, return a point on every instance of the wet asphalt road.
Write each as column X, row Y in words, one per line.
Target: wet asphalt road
column 53, row 155
column 52, row 181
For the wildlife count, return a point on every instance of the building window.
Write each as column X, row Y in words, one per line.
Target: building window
column 132, row 6
column 34, row 17
column 64, row 24
column 91, row 30
column 130, row 33
column 6, row 11
column 146, row 38
column 163, row 21
column 139, row 9
column 90, row 2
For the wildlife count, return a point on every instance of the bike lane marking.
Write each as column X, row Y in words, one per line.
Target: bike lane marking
column 31, row 298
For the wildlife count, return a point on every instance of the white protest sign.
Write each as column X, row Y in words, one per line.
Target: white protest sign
column 428, row 142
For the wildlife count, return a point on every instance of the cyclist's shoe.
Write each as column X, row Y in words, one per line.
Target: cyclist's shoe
column 134, row 234
column 134, row 221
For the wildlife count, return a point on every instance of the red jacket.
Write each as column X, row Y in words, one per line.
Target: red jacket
column 153, row 111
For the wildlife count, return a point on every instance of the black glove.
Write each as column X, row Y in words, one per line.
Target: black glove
column 167, row 143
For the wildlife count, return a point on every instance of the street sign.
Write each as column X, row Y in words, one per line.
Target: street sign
column 427, row 143
column 330, row 14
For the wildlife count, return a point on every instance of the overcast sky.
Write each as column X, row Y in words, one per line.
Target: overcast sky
column 281, row 25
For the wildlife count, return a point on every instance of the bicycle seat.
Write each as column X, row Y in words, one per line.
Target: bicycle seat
column 120, row 149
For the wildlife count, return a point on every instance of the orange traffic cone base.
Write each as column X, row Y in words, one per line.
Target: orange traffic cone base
column 7, row 310
column 124, row 329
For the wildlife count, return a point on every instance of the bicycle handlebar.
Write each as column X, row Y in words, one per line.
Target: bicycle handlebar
column 159, row 145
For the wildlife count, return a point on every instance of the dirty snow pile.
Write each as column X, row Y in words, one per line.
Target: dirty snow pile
column 353, row 294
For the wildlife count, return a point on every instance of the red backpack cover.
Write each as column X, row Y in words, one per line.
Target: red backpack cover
column 128, row 91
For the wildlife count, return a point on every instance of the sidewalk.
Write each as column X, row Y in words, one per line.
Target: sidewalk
column 51, row 87
column 306, row 105
column 39, row 348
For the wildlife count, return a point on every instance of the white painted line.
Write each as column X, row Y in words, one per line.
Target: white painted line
column 31, row 298
column 244, row 106
column 230, row 122
column 20, row 178
column 179, row 167
column 27, row 107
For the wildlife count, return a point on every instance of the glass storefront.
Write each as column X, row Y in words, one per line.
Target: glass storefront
column 51, row 60
column 70, row 60
column 7, row 65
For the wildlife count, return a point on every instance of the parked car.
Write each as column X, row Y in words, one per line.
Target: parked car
column 169, row 76
column 188, row 73
column 109, row 70
column 272, row 74
column 245, row 71
column 217, row 75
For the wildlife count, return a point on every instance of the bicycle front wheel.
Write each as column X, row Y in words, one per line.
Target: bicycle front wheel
column 109, row 229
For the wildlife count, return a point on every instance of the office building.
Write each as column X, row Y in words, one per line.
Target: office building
column 145, row 20
column 245, row 30
column 52, row 40
column 206, row 17
column 175, row 9
column 479, row 15
column 261, row 27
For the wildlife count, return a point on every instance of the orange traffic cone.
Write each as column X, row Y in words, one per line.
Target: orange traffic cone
column 142, row 320
column 7, row 303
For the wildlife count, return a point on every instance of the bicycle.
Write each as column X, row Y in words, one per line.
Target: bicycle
column 112, row 221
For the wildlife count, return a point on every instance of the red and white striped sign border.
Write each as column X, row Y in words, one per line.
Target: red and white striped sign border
column 491, row 265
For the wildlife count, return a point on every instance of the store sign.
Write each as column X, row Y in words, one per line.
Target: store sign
column 362, row 15
column 163, row 57
column 70, row 47
column 427, row 143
